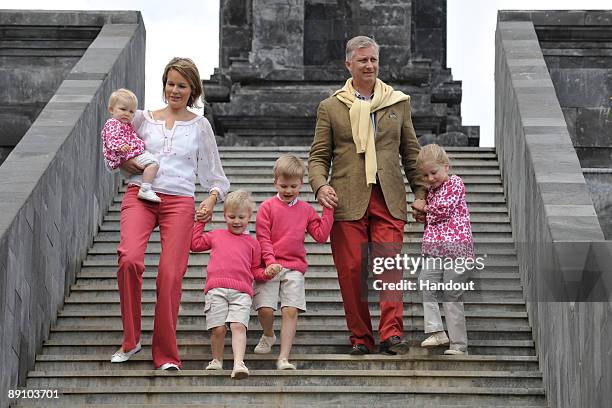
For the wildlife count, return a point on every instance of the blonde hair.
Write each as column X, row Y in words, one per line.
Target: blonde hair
column 361, row 41
column 188, row 70
column 238, row 200
column 289, row 166
column 432, row 153
column 125, row 95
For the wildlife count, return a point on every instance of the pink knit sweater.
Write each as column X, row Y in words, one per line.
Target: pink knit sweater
column 234, row 259
column 281, row 230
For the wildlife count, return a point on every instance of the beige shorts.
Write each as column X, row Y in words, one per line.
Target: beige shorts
column 287, row 286
column 226, row 306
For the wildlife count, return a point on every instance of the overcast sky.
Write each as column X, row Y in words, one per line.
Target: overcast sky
column 471, row 41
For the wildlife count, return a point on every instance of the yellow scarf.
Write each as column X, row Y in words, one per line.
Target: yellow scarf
column 361, row 122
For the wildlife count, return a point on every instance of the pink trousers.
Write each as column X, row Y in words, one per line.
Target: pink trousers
column 174, row 215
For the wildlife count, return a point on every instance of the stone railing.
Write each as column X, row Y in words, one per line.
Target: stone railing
column 551, row 211
column 54, row 188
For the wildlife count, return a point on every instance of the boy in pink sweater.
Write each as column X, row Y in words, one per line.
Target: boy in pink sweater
column 282, row 222
column 235, row 259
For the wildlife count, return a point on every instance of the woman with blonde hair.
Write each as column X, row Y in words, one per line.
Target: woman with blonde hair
column 185, row 146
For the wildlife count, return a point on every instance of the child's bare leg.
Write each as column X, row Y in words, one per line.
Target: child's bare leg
column 217, row 340
column 266, row 319
column 149, row 173
column 238, row 341
column 288, row 327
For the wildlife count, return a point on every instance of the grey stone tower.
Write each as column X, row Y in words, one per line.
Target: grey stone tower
column 280, row 58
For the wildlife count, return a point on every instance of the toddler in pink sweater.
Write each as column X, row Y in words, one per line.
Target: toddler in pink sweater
column 235, row 259
column 282, row 223
column 120, row 142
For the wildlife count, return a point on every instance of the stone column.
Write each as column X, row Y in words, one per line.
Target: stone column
column 278, row 34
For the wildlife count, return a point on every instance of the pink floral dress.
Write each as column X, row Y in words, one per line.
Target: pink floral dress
column 116, row 134
column 448, row 232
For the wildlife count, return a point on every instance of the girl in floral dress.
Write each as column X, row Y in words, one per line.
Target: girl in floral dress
column 447, row 241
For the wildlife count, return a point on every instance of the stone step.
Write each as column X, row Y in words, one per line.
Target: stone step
column 412, row 304
column 293, row 149
column 314, row 273
column 305, row 344
column 111, row 295
column 412, row 333
column 256, row 180
column 196, row 259
column 267, row 378
column 300, row 396
column 271, row 155
column 269, row 190
column 479, row 285
column 409, row 237
column 414, row 231
column 493, row 251
column 142, row 361
column 32, row 403
column 473, row 198
column 266, row 165
column 218, row 218
column 329, row 286
column 303, row 316
column 113, row 319
column 474, row 208
column 412, row 324
column 266, row 171
column 480, row 280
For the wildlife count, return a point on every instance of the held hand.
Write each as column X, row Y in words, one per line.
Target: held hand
column 419, row 210
column 132, row 167
column 420, row 217
column 326, row 196
column 205, row 211
column 126, row 148
column 273, row 269
column 419, row 205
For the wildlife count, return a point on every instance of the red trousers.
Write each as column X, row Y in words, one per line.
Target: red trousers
column 348, row 239
column 174, row 215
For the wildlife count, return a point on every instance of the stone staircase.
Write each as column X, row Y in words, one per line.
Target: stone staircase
column 501, row 370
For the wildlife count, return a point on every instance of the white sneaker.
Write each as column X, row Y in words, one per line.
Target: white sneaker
column 169, row 367
column 121, row 356
column 454, row 352
column 284, row 364
column 265, row 344
column 215, row 365
column 437, row 339
column 240, row 371
column 148, row 195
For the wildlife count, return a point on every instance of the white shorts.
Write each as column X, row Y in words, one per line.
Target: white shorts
column 145, row 159
column 287, row 286
column 226, row 306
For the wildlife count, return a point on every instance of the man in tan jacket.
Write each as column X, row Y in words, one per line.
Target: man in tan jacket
column 364, row 129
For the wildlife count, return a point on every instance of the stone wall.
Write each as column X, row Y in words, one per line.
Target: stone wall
column 54, row 188
column 550, row 206
column 280, row 58
column 576, row 48
column 33, row 62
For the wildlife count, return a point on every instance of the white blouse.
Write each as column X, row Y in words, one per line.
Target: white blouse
column 186, row 150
